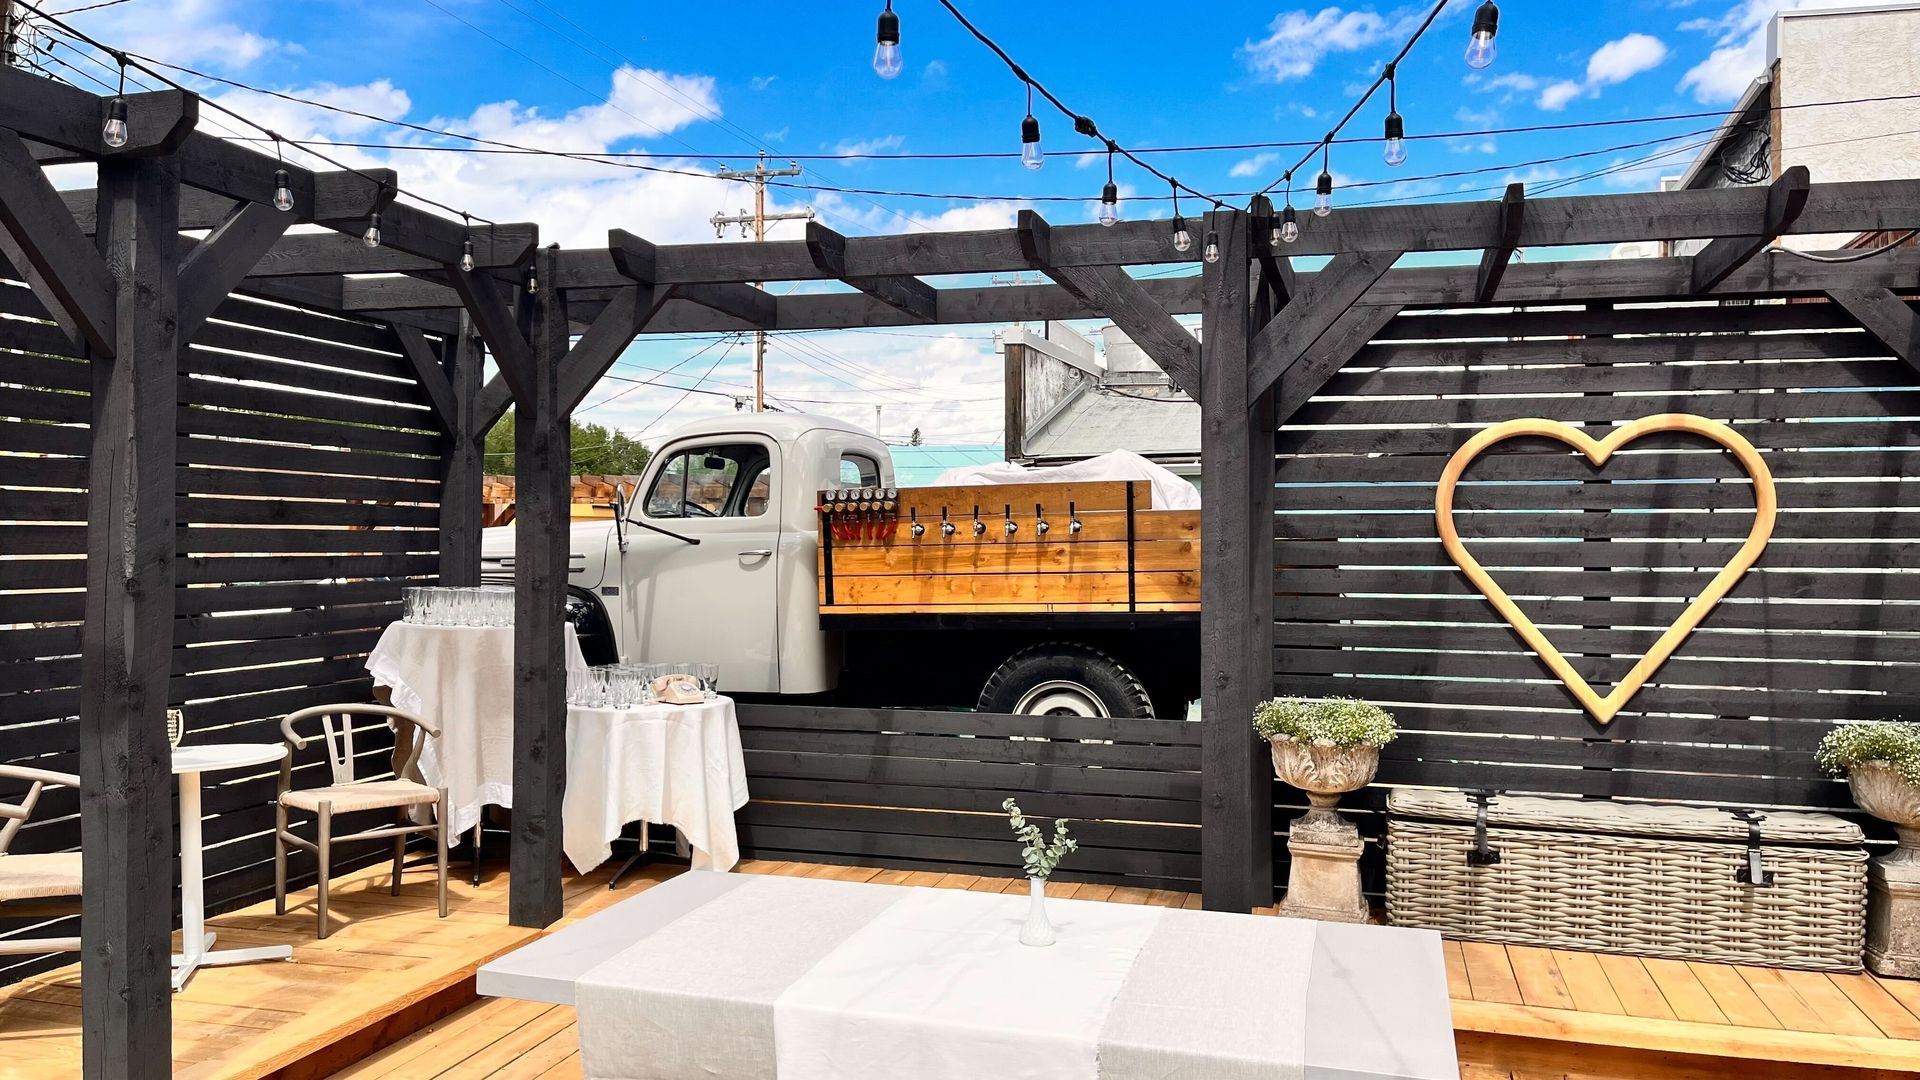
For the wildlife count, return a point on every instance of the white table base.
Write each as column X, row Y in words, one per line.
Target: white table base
column 193, row 901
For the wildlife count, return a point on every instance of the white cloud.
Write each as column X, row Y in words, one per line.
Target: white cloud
column 761, row 82
column 1296, row 41
column 1556, row 95
column 191, row 32
column 1622, row 59
column 878, row 145
column 1516, row 81
column 1254, row 166
column 1612, row 63
column 1739, row 54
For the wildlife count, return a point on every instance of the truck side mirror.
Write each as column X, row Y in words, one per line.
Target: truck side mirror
column 621, row 504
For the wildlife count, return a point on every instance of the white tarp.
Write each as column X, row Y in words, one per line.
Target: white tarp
column 1170, row 492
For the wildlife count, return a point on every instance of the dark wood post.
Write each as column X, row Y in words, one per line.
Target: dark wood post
column 463, row 461
column 126, row 826
column 542, row 496
column 1236, row 812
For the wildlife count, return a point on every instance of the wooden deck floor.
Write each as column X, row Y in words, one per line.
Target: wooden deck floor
column 344, row 1006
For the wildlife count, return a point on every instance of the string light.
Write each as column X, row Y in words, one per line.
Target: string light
column 1289, row 228
column 114, row 131
column 1394, row 150
column 1486, row 23
column 1212, row 253
column 371, row 237
column 1030, row 154
column 533, row 278
column 1182, row 239
column 466, row 245
column 1109, row 195
column 886, row 53
column 282, row 181
column 1323, row 185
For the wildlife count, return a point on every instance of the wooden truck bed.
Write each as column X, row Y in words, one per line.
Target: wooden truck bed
column 1125, row 557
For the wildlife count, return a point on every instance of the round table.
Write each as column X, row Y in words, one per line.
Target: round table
column 188, row 763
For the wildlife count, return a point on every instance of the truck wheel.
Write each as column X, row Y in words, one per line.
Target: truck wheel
column 1062, row 679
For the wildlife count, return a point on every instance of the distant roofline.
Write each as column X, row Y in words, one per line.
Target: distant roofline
column 1748, row 99
column 1773, row 24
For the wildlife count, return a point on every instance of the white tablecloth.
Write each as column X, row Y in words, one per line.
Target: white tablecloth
column 460, row 678
column 676, row 765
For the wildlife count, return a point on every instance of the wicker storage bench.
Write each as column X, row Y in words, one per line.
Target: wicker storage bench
column 1667, row 881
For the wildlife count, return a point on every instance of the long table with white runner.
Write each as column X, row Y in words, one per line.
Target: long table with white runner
column 749, row 976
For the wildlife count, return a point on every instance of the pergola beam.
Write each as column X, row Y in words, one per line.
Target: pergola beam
column 1114, row 293
column 910, row 295
column 432, row 375
column 70, row 119
column 1330, row 352
column 1493, row 262
column 1786, row 199
column 498, row 325
column 606, row 338
column 1882, row 313
column 66, row 268
column 217, row 264
column 1324, row 299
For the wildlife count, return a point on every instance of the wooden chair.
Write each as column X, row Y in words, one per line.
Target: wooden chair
column 347, row 794
column 36, row 886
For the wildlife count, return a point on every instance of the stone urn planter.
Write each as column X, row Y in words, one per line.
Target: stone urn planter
column 1326, row 749
column 1893, row 879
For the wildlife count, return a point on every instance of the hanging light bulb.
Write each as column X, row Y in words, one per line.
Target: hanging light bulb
column 282, row 191
column 1182, row 239
column 1289, row 225
column 1109, row 204
column 1212, row 252
column 371, row 237
column 886, row 53
column 1394, row 150
column 1323, row 194
column 1486, row 23
column 533, row 278
column 466, row 255
column 114, row 131
column 1030, row 154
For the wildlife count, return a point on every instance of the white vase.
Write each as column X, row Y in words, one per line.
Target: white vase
column 1038, row 929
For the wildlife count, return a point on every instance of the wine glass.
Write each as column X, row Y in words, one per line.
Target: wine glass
column 709, row 676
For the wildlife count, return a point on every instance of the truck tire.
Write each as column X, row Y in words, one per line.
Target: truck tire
column 1064, row 679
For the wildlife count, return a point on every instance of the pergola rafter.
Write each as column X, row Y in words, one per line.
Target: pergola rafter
column 1272, row 339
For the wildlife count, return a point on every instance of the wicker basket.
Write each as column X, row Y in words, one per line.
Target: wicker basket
column 1667, row 881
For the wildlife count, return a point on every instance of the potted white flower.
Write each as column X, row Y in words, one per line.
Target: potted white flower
column 1038, row 855
column 1881, row 761
column 1325, row 747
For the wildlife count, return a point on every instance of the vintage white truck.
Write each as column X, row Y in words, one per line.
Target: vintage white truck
column 778, row 546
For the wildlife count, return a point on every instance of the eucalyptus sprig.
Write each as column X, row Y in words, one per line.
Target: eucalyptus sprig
column 1039, row 855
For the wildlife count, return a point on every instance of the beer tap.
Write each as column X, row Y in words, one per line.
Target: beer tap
column 890, row 513
column 1012, row 526
column 947, row 528
column 917, row 530
column 979, row 527
column 1073, row 520
column 1040, row 516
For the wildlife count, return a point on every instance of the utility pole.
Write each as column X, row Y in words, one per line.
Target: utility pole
column 757, row 223
column 9, row 37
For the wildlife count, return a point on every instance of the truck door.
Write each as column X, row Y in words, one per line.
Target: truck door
column 714, row 601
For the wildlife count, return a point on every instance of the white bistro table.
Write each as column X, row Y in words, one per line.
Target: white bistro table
column 188, row 763
column 460, row 678
column 737, row 975
column 678, row 765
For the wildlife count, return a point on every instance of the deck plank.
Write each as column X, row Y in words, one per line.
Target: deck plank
column 1639, row 994
column 1587, row 982
column 1825, row 999
column 1782, row 1001
column 1685, row 994
column 1539, row 978
column 1735, row 999
column 1491, row 973
column 1871, row 997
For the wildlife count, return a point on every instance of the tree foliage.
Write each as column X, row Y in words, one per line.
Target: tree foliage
column 597, row 450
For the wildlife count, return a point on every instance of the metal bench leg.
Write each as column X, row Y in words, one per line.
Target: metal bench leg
column 638, row 858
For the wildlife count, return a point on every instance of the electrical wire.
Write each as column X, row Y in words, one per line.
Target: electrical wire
column 93, row 7
column 1851, row 257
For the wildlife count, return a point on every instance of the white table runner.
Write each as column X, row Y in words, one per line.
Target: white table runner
column 678, row 765
column 461, row 679
column 938, row 987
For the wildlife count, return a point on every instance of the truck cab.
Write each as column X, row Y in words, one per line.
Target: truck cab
column 715, row 557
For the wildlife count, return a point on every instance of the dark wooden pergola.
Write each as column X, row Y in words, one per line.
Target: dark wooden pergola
column 116, row 269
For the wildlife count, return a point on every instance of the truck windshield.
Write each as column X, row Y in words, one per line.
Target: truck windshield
column 727, row 480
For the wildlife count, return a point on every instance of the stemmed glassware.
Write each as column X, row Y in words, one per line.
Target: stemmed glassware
column 434, row 605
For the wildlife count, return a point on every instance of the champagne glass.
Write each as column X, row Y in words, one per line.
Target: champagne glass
column 709, row 676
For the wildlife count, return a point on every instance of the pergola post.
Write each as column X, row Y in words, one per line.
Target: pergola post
column 463, row 461
column 126, row 813
column 1236, row 806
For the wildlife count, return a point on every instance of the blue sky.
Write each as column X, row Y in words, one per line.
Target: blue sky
column 693, row 81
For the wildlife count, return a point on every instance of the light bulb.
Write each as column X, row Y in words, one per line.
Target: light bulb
column 282, row 191
column 466, row 256
column 886, row 53
column 1323, row 194
column 371, row 237
column 1486, row 23
column 1289, row 226
column 114, row 131
column 1182, row 239
column 1109, row 204
column 1212, row 253
column 1030, row 154
column 533, row 280
column 1394, row 151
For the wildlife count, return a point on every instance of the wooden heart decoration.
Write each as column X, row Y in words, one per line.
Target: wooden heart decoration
column 1598, row 451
